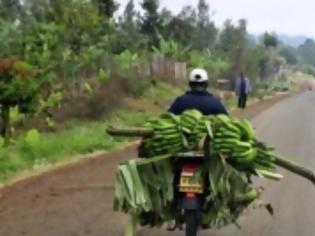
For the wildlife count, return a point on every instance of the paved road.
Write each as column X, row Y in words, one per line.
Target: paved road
column 76, row 200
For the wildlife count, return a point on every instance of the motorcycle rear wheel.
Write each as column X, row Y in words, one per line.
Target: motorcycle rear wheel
column 192, row 222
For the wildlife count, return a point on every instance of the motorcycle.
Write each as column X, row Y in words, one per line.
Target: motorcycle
column 190, row 184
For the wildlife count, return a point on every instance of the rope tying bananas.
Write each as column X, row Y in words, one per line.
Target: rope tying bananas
column 144, row 187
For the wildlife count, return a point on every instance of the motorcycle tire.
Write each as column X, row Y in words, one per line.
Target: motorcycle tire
column 192, row 222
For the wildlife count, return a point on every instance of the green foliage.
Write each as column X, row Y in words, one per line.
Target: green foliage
column 54, row 147
column 9, row 34
column 129, row 33
column 181, row 28
column 15, row 116
column 307, row 52
column 253, row 61
column 233, row 37
column 107, row 8
column 88, row 88
column 21, row 89
column 18, row 85
column 79, row 15
column 234, row 44
column 171, row 49
column 32, row 138
column 150, row 22
column 1, row 142
column 206, row 32
column 127, row 60
column 53, row 100
column 51, row 148
column 136, row 87
column 270, row 40
column 214, row 64
column 10, row 9
column 103, row 75
column 290, row 54
column 307, row 69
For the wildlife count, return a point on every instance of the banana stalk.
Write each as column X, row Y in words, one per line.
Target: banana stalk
column 130, row 132
column 295, row 168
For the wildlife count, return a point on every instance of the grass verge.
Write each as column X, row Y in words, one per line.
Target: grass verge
column 82, row 137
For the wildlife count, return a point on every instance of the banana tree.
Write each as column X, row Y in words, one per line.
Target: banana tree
column 171, row 49
column 127, row 60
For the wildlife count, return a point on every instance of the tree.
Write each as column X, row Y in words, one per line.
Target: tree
column 44, row 11
column 10, row 36
column 181, row 28
column 130, row 12
column 151, row 23
column 233, row 43
column 307, row 51
column 19, row 87
column 128, row 32
column 203, row 12
column 107, row 8
column 270, row 40
column 206, row 31
column 233, row 37
column 290, row 54
column 10, row 9
column 253, row 57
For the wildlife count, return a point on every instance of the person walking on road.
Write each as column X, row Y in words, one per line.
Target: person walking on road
column 242, row 89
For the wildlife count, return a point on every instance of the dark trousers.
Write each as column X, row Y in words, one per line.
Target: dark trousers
column 242, row 99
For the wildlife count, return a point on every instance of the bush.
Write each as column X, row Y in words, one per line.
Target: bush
column 136, row 87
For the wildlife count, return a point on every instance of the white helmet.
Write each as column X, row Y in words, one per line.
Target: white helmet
column 198, row 75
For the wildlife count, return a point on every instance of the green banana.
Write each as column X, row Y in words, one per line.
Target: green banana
column 246, row 156
column 248, row 128
column 269, row 174
column 224, row 118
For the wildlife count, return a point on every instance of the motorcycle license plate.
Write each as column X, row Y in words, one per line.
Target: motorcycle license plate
column 190, row 184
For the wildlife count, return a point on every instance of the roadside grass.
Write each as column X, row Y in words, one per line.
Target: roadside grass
column 82, row 137
column 54, row 147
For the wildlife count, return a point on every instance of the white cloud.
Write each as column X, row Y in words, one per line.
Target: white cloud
column 284, row 16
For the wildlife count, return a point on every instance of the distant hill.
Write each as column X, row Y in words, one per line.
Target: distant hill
column 293, row 41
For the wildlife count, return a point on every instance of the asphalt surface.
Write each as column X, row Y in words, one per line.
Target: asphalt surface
column 76, row 200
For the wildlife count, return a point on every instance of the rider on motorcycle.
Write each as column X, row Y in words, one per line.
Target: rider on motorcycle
column 198, row 97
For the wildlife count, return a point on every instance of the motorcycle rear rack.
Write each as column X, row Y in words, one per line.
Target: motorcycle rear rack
column 191, row 156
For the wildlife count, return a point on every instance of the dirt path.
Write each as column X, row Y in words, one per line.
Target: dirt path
column 77, row 200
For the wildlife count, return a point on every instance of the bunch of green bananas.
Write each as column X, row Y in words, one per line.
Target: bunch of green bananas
column 231, row 137
column 195, row 127
column 172, row 134
column 168, row 137
column 236, row 140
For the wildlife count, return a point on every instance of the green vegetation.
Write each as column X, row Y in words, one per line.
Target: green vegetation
column 77, row 137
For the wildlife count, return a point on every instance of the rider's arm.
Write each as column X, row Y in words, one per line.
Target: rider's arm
column 219, row 108
column 177, row 107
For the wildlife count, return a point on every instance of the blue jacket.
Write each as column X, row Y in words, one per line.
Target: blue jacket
column 202, row 101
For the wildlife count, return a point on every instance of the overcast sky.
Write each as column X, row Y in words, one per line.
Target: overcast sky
column 293, row 17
